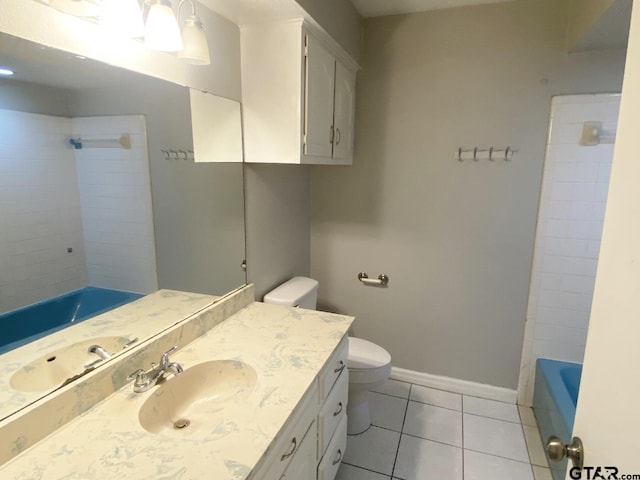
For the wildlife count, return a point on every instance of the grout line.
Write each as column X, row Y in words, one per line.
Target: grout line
column 494, row 418
column 463, row 449
column 367, row 469
column 404, row 419
column 498, row 456
column 438, row 406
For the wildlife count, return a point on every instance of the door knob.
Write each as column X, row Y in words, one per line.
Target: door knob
column 558, row 451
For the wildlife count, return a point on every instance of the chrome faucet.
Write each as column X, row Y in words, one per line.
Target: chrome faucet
column 145, row 380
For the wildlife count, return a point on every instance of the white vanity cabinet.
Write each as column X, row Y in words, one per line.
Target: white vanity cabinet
column 313, row 442
column 298, row 89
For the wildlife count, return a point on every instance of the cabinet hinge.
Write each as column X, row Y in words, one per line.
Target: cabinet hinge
column 306, row 47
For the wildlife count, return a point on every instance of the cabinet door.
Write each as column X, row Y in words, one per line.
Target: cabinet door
column 303, row 464
column 319, row 88
column 344, row 116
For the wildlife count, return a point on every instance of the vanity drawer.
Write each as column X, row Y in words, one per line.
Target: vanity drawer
column 336, row 365
column 302, row 464
column 330, row 463
column 332, row 411
column 287, row 443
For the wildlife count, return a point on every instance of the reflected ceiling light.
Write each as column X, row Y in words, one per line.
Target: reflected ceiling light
column 77, row 8
column 6, row 71
column 196, row 49
column 123, row 16
column 161, row 30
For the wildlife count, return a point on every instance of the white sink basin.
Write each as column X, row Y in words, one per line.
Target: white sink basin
column 201, row 396
column 51, row 370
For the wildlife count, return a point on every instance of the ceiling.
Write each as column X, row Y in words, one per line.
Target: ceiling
column 36, row 63
column 378, row 8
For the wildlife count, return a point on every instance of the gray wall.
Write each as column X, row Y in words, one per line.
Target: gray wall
column 278, row 228
column 34, row 98
column 341, row 20
column 455, row 238
column 197, row 207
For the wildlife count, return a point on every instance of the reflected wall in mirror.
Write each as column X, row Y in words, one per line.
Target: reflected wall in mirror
column 111, row 211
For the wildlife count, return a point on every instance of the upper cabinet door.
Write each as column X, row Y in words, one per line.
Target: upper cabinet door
column 319, row 90
column 217, row 128
column 344, row 114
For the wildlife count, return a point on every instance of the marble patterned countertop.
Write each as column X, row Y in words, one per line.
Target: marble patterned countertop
column 141, row 318
column 287, row 347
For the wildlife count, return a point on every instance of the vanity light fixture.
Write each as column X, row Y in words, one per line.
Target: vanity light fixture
column 77, row 8
column 124, row 16
column 161, row 29
column 196, row 49
column 6, row 72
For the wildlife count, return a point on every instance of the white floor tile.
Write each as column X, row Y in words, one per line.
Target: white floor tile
column 387, row 411
column 395, row 388
column 491, row 408
column 420, row 459
column 537, row 455
column 349, row 472
column 439, row 398
column 479, row 466
column 526, row 416
column 495, row 437
column 434, row 423
column 374, row 450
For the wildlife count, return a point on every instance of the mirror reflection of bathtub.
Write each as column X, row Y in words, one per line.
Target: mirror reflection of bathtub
column 124, row 219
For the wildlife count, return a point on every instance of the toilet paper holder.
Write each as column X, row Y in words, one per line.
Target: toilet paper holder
column 381, row 281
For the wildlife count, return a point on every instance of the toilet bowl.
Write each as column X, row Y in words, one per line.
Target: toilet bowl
column 369, row 364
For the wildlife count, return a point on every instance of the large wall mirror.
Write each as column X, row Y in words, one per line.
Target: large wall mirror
column 99, row 187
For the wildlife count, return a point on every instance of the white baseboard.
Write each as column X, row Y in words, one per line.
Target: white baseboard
column 463, row 387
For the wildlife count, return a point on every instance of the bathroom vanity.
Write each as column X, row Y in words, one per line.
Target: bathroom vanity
column 263, row 396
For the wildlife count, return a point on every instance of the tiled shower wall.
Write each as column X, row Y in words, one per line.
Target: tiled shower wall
column 95, row 201
column 39, row 210
column 115, row 195
column 570, row 221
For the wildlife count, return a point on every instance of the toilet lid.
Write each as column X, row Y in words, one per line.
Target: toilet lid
column 364, row 354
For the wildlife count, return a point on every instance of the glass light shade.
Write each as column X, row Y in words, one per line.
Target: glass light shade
column 122, row 16
column 77, row 8
column 161, row 30
column 196, row 49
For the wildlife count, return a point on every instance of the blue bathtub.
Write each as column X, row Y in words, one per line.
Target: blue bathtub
column 27, row 324
column 554, row 401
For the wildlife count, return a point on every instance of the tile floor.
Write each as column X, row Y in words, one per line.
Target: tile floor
column 419, row 433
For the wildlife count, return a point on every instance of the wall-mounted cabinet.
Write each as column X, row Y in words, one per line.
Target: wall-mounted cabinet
column 298, row 89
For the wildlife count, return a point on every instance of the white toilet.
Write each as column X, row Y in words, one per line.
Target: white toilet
column 369, row 364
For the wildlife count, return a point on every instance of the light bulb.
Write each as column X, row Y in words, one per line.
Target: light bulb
column 122, row 16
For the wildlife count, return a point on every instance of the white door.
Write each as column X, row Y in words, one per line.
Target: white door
column 318, row 111
column 344, row 113
column 608, row 412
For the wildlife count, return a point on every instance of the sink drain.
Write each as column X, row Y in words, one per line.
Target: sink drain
column 182, row 423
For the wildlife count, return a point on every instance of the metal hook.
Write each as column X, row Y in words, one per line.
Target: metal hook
column 475, row 154
column 491, row 154
column 506, row 154
column 460, row 154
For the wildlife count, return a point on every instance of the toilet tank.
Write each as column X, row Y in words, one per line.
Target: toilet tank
column 298, row 292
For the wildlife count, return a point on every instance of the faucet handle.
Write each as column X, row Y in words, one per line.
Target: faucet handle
column 164, row 361
column 139, row 375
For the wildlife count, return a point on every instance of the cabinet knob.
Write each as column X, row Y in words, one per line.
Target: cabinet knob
column 338, row 136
